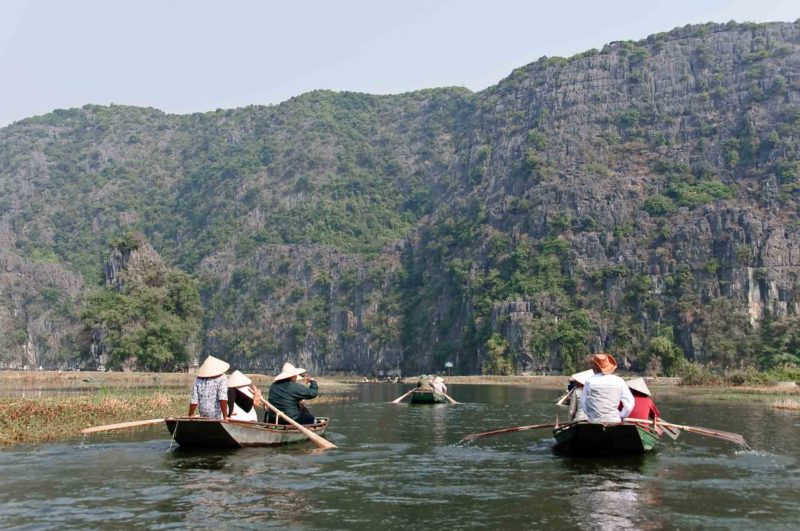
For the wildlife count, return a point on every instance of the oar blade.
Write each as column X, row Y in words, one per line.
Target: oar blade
column 717, row 434
column 401, row 397
column 121, row 426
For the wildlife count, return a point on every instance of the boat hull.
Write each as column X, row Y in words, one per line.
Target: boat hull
column 608, row 440
column 427, row 397
column 213, row 433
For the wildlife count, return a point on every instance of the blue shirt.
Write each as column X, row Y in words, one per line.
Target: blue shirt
column 207, row 392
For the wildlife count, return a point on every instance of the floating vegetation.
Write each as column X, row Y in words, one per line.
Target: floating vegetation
column 787, row 403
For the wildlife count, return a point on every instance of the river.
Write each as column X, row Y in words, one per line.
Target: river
column 401, row 467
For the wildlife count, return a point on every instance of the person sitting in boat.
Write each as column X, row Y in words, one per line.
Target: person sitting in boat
column 576, row 383
column 439, row 386
column 425, row 383
column 242, row 398
column 287, row 393
column 644, row 407
column 603, row 392
column 210, row 391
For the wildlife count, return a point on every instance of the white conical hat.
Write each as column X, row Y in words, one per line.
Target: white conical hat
column 237, row 379
column 212, row 367
column 438, row 379
column 637, row 384
column 581, row 377
column 288, row 371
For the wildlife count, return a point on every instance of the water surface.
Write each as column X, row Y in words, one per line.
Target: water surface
column 399, row 466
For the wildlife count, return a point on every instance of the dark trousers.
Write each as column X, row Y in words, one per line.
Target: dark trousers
column 305, row 417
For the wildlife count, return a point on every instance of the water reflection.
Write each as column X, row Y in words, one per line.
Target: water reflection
column 613, row 494
column 189, row 458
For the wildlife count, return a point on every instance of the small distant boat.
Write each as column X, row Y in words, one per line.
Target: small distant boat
column 427, row 397
column 198, row 432
column 609, row 440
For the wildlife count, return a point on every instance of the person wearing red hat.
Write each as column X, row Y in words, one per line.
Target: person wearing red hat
column 603, row 392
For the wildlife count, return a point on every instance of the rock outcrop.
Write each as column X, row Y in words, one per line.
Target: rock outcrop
column 648, row 190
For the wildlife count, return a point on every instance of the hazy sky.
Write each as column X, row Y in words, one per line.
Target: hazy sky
column 184, row 56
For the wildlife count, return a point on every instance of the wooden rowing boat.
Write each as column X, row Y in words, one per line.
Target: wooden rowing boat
column 427, row 397
column 597, row 439
column 198, row 432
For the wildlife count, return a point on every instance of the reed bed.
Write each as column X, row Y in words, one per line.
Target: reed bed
column 53, row 417
column 34, row 420
column 790, row 403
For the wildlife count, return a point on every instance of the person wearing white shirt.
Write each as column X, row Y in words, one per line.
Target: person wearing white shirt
column 243, row 396
column 439, row 386
column 603, row 392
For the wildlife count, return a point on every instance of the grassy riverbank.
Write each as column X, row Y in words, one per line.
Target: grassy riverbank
column 48, row 418
column 45, row 406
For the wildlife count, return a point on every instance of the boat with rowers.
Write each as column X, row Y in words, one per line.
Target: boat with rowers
column 199, row 432
column 427, row 397
column 601, row 439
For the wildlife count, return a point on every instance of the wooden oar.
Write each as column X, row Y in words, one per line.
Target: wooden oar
column 473, row 436
column 316, row 439
column 121, row 426
column 565, row 396
column 672, row 433
column 400, row 398
column 718, row 434
column 449, row 398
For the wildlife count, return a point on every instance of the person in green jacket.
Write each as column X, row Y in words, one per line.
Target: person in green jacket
column 287, row 392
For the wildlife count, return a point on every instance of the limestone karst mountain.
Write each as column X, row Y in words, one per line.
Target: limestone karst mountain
column 641, row 198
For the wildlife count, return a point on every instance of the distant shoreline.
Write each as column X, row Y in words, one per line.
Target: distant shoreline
column 94, row 379
column 42, row 406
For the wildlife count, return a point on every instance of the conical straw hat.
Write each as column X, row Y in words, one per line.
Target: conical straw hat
column 288, row 371
column 581, row 377
column 637, row 384
column 212, row 367
column 237, row 379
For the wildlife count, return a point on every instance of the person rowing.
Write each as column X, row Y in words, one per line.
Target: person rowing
column 603, row 392
column 287, row 393
column 210, row 391
column 576, row 383
column 439, row 386
column 644, row 407
column 242, row 398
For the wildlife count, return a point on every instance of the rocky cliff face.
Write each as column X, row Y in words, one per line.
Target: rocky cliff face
column 645, row 190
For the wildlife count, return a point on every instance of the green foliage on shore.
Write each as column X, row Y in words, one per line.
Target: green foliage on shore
column 151, row 325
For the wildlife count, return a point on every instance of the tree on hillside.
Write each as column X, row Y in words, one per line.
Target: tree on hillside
column 151, row 321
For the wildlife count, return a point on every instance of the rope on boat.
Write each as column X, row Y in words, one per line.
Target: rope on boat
column 172, row 440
